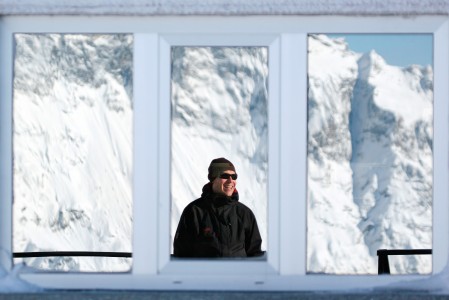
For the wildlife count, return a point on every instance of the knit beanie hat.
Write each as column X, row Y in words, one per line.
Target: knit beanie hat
column 218, row 166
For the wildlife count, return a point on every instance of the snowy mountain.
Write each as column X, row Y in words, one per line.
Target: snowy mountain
column 369, row 160
column 369, row 148
column 72, row 149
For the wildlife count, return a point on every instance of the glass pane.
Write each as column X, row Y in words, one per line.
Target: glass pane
column 370, row 115
column 72, row 149
column 219, row 109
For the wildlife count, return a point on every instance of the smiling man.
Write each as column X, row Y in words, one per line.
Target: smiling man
column 217, row 224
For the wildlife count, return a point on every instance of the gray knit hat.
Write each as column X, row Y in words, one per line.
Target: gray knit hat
column 218, row 166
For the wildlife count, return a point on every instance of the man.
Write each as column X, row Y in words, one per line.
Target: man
column 217, row 224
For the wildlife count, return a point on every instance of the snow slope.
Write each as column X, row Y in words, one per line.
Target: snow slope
column 72, row 145
column 370, row 160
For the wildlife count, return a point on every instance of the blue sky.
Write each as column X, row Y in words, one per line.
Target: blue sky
column 397, row 49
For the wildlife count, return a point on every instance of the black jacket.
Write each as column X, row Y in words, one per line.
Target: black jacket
column 217, row 226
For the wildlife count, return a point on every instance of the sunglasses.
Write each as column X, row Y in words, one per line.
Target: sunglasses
column 227, row 176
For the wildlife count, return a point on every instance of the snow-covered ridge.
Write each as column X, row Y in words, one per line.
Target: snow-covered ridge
column 370, row 160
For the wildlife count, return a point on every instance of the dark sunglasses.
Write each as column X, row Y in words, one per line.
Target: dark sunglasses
column 227, row 176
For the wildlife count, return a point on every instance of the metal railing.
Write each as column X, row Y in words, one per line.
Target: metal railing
column 383, row 266
column 71, row 253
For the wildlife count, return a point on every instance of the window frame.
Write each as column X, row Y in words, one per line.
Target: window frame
column 201, row 267
column 286, row 37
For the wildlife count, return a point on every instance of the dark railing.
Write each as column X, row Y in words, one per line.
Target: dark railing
column 71, row 253
column 383, row 266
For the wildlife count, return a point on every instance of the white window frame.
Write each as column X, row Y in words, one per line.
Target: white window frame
column 286, row 38
column 202, row 267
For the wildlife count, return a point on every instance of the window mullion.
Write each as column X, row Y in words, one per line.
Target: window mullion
column 145, row 192
column 293, row 136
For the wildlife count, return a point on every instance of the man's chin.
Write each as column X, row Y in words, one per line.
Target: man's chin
column 229, row 194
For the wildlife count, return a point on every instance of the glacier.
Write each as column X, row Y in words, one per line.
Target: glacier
column 369, row 160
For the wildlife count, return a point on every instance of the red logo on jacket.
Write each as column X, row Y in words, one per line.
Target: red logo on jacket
column 207, row 231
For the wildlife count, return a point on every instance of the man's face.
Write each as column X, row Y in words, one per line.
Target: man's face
column 224, row 186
